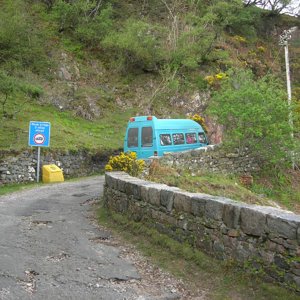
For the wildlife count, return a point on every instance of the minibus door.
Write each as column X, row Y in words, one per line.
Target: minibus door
column 147, row 142
column 133, row 141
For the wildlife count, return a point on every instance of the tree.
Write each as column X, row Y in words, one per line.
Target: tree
column 136, row 44
column 255, row 116
column 276, row 6
column 21, row 42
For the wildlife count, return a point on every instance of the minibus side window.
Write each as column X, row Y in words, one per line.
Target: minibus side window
column 132, row 140
column 165, row 139
column 178, row 138
column 202, row 138
column 190, row 138
column 147, row 137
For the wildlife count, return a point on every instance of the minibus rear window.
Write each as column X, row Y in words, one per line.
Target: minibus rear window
column 147, row 137
column 190, row 138
column 202, row 138
column 165, row 139
column 132, row 140
column 178, row 138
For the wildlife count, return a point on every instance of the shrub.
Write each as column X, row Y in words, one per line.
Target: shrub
column 261, row 49
column 136, row 45
column 214, row 80
column 240, row 39
column 255, row 116
column 200, row 120
column 92, row 31
column 126, row 162
column 21, row 42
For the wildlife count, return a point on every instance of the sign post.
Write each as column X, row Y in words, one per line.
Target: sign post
column 39, row 136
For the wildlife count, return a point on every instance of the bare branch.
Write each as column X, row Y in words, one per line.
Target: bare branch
column 95, row 11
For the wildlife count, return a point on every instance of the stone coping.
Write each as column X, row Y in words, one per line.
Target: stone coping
column 252, row 219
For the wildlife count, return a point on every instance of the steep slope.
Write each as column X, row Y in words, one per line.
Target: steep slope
column 91, row 65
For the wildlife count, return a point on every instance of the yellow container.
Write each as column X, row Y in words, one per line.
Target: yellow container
column 52, row 173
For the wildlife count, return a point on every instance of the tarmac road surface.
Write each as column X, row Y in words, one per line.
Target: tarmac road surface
column 48, row 247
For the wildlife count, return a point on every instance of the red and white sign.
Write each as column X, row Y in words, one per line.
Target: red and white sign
column 39, row 139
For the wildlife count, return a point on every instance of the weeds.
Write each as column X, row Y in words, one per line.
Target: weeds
column 221, row 280
column 280, row 190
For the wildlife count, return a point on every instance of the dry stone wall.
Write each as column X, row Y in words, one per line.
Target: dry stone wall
column 16, row 167
column 261, row 238
column 212, row 158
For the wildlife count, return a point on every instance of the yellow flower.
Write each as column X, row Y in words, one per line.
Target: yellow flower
column 210, row 79
column 108, row 168
column 240, row 39
column 261, row 49
column 220, row 76
column 126, row 162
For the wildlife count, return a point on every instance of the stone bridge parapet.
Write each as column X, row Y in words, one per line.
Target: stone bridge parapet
column 262, row 238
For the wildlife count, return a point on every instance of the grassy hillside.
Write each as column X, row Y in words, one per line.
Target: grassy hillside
column 87, row 66
column 67, row 132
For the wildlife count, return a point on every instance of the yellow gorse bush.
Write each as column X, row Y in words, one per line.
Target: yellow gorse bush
column 213, row 79
column 200, row 120
column 126, row 162
column 210, row 79
column 261, row 49
column 240, row 39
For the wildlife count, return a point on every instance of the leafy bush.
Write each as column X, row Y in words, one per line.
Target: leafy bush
column 200, row 120
column 255, row 116
column 68, row 15
column 126, row 162
column 192, row 44
column 21, row 42
column 136, row 45
column 91, row 31
column 215, row 80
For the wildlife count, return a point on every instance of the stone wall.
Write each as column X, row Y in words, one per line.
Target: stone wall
column 261, row 238
column 18, row 167
column 212, row 158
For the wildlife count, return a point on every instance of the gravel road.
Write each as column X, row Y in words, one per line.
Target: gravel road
column 52, row 248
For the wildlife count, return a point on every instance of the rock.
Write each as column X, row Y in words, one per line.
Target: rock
column 167, row 199
column 233, row 233
column 231, row 215
column 283, row 225
column 183, row 201
column 64, row 74
column 253, row 221
column 280, row 262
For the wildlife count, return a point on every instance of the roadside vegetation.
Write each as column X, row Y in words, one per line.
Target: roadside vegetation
column 144, row 55
column 11, row 188
column 87, row 66
column 218, row 280
column 68, row 132
column 281, row 190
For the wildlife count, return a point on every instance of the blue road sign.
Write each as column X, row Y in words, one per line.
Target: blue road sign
column 39, row 134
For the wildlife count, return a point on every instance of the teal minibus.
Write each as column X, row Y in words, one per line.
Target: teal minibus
column 149, row 136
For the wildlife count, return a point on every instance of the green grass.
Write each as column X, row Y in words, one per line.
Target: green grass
column 11, row 188
column 221, row 280
column 213, row 184
column 67, row 132
column 283, row 187
column 267, row 189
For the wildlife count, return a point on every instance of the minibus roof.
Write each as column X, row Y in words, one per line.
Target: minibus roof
column 167, row 123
